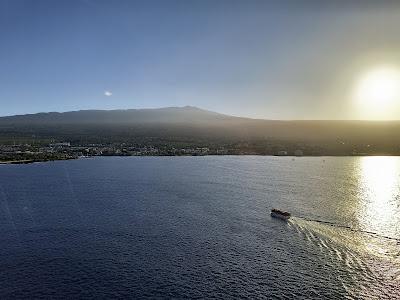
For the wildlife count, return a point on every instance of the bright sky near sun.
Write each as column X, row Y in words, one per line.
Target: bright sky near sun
column 378, row 93
column 264, row 59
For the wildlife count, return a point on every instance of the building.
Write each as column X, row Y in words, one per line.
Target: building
column 298, row 152
column 63, row 144
column 282, row 153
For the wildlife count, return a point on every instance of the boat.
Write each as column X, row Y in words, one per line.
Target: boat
column 283, row 215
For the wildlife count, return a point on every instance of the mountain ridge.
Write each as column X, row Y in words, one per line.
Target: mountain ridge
column 182, row 109
column 194, row 124
column 167, row 114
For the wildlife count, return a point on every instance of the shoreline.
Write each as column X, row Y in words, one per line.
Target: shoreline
column 31, row 161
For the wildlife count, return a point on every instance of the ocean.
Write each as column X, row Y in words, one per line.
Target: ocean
column 200, row 227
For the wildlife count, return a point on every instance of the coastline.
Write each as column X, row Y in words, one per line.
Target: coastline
column 31, row 161
column 17, row 162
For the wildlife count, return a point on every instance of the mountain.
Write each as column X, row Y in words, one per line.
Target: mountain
column 187, row 114
column 194, row 125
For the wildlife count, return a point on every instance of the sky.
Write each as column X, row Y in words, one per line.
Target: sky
column 259, row 59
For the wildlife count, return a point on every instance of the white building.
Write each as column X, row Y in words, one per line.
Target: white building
column 282, row 153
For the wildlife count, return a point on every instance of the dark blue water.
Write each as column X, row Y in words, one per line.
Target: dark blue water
column 199, row 227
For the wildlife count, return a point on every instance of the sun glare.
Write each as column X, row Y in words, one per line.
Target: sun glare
column 377, row 92
column 379, row 187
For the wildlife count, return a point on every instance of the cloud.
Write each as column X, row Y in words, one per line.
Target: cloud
column 108, row 93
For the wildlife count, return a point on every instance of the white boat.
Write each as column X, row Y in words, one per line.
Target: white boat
column 283, row 215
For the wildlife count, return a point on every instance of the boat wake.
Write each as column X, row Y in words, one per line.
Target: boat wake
column 348, row 228
column 371, row 260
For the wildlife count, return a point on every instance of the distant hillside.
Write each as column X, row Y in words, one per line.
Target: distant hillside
column 187, row 114
column 194, row 124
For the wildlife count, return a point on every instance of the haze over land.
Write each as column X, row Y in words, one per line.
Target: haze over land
column 198, row 127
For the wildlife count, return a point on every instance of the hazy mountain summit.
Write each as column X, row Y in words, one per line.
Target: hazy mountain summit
column 186, row 114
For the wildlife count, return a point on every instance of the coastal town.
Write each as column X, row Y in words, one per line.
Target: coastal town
column 26, row 153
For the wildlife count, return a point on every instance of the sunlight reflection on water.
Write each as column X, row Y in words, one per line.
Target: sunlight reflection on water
column 379, row 181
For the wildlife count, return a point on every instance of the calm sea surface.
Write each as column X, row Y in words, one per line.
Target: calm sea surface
column 199, row 227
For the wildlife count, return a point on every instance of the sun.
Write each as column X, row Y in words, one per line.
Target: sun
column 378, row 91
